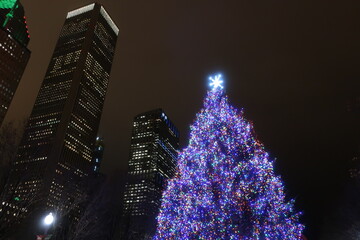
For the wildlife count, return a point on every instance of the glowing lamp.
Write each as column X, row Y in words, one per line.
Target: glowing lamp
column 49, row 219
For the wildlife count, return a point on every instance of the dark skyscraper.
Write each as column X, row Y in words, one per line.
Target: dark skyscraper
column 153, row 154
column 56, row 150
column 14, row 54
column 98, row 154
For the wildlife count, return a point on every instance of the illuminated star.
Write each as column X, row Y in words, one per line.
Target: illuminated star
column 216, row 82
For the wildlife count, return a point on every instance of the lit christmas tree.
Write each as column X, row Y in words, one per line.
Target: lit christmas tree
column 225, row 186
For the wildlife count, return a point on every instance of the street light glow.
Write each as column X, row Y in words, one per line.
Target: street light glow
column 49, row 219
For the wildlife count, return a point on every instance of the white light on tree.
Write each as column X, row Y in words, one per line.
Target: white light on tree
column 49, row 219
column 216, row 82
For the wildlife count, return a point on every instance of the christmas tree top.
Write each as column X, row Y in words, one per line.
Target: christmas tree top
column 216, row 82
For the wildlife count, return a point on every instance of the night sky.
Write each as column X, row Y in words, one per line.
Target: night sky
column 292, row 66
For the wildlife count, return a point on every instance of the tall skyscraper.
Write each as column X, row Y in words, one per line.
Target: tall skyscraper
column 57, row 146
column 153, row 155
column 14, row 55
column 98, row 154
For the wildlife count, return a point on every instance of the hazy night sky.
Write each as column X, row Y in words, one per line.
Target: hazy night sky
column 292, row 66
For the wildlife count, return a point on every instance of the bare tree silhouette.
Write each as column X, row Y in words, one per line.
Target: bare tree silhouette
column 10, row 136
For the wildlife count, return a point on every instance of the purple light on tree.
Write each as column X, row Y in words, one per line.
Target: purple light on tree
column 225, row 186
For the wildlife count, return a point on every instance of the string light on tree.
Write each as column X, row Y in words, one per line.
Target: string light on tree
column 225, row 186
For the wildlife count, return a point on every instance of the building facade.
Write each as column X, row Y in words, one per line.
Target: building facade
column 153, row 155
column 98, row 154
column 56, row 150
column 14, row 54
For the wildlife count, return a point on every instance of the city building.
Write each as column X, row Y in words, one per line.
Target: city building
column 353, row 108
column 56, row 151
column 153, row 156
column 98, row 154
column 14, row 54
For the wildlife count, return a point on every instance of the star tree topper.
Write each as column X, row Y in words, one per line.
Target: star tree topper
column 216, row 82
